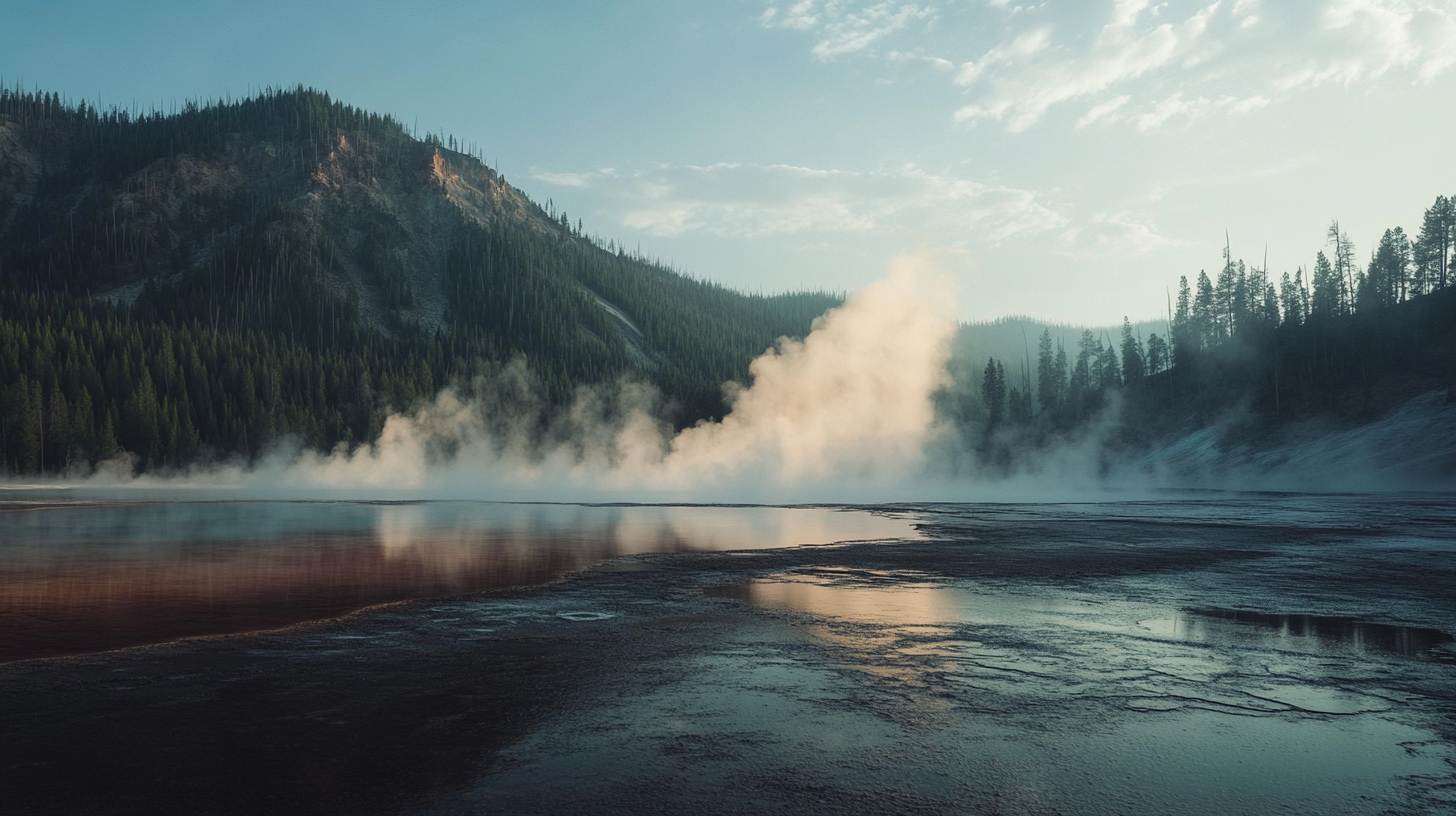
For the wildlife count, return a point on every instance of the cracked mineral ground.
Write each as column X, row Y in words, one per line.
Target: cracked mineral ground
column 1209, row 653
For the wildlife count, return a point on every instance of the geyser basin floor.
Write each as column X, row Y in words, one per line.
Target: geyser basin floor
column 1018, row 659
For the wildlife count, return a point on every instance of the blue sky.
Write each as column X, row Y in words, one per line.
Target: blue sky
column 1067, row 160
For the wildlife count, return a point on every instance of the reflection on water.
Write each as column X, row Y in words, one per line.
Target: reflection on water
column 80, row 577
column 907, row 626
column 895, row 605
column 1305, row 633
column 897, row 600
column 900, row 599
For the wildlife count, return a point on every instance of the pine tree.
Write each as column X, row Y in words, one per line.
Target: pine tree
column 1133, row 365
column 993, row 392
column 1060, row 374
column 1109, row 371
column 1436, row 240
column 1325, row 290
column 1157, row 354
column 1289, row 300
column 1084, row 378
column 1226, row 301
column 1342, row 267
column 1184, row 337
column 1046, row 384
column 1205, row 308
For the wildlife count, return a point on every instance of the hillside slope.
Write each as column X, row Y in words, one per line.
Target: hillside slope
column 336, row 239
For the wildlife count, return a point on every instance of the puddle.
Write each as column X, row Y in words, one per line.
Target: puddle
column 1303, row 633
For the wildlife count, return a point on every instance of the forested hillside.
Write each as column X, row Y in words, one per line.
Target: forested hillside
column 1342, row 340
column 204, row 281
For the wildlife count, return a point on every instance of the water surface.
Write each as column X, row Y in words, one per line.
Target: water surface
column 82, row 575
column 1235, row 655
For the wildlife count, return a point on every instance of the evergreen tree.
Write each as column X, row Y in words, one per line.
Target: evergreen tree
column 1423, row 271
column 1046, row 382
column 1325, row 290
column 1342, row 268
column 1271, row 314
column 1437, row 240
column 1018, row 406
column 1184, row 336
column 1205, row 313
column 1109, row 371
column 1133, row 365
column 1084, row 379
column 1157, row 354
column 1060, row 374
column 993, row 393
column 1227, row 301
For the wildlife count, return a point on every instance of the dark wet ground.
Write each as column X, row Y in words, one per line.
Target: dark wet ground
column 1240, row 654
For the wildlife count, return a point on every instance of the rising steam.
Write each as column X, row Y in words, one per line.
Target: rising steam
column 848, row 406
column 853, row 400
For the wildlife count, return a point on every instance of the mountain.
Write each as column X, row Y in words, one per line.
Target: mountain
column 204, row 281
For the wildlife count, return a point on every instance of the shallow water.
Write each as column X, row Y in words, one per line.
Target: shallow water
column 1232, row 654
column 83, row 572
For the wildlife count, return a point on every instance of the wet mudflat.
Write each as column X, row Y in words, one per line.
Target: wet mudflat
column 1235, row 654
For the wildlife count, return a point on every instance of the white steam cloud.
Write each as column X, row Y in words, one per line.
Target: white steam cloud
column 848, row 408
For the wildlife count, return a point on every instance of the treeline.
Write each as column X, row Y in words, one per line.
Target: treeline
column 84, row 381
column 202, row 282
column 1341, row 337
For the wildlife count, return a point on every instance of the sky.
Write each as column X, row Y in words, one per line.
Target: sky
column 1062, row 160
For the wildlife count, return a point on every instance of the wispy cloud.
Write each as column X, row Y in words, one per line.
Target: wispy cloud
column 747, row 201
column 1175, row 107
column 1022, row 78
column 845, row 27
column 1117, row 234
column 1140, row 63
column 565, row 179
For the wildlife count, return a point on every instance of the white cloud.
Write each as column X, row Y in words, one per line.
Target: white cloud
column 750, row 201
column 1106, row 110
column 1026, row 76
column 564, row 179
column 1139, row 62
column 845, row 27
column 1117, row 234
column 1379, row 36
column 1176, row 107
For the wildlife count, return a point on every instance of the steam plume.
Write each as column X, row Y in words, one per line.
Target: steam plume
column 849, row 405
